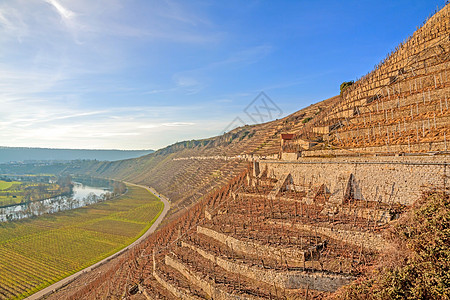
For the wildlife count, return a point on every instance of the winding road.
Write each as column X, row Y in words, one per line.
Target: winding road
column 63, row 282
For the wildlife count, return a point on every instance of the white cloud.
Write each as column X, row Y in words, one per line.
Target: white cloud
column 177, row 124
column 169, row 124
column 63, row 12
column 59, row 57
column 49, row 124
column 244, row 57
column 46, row 43
column 184, row 81
column 12, row 23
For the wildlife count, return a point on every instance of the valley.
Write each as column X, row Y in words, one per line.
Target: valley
column 310, row 206
column 347, row 198
column 42, row 250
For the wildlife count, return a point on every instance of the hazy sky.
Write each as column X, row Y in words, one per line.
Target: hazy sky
column 131, row 74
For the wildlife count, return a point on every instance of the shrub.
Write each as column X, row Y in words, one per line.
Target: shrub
column 306, row 120
column 421, row 268
column 345, row 85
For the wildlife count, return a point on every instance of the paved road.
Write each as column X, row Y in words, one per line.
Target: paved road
column 50, row 289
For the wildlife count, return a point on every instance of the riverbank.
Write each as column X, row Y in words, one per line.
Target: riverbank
column 80, row 195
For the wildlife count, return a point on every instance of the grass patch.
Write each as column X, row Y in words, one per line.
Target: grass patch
column 37, row 252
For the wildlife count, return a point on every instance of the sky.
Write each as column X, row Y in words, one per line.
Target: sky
column 143, row 74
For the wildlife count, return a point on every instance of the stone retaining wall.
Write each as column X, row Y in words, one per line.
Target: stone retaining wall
column 252, row 248
column 319, row 281
column 399, row 180
column 206, row 286
column 367, row 240
column 174, row 290
column 402, row 148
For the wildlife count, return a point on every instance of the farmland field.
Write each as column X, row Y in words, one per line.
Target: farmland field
column 13, row 192
column 6, row 185
column 37, row 252
column 8, row 193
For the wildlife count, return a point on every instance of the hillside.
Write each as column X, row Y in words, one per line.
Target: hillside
column 175, row 170
column 261, row 215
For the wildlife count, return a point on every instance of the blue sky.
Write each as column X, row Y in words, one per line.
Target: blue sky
column 142, row 74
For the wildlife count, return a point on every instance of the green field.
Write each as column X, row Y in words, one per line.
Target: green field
column 10, row 192
column 37, row 252
column 16, row 192
column 4, row 185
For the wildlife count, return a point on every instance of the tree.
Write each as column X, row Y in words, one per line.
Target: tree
column 65, row 182
column 345, row 85
column 119, row 188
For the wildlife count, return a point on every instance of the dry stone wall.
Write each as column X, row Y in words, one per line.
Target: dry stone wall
column 174, row 290
column 287, row 280
column 253, row 247
column 386, row 149
column 367, row 240
column 389, row 180
column 203, row 283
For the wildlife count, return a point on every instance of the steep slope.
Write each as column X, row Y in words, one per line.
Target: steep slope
column 186, row 171
column 175, row 171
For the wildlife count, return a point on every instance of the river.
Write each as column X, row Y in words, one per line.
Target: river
column 83, row 195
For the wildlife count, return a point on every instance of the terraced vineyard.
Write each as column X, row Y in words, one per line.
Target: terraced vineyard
column 37, row 252
column 253, row 239
column 403, row 104
column 262, row 247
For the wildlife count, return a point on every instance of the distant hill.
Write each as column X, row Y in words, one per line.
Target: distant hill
column 22, row 154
